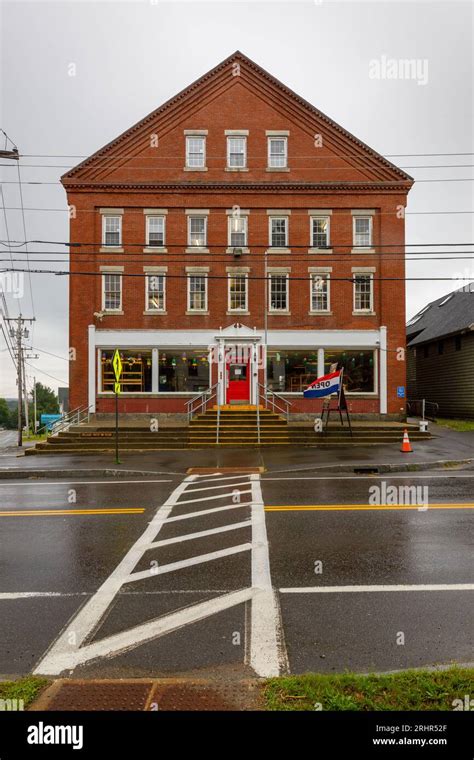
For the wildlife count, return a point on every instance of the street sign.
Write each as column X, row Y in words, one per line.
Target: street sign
column 117, row 388
column 401, row 391
column 117, row 365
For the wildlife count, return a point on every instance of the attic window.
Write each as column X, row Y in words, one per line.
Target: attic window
column 445, row 300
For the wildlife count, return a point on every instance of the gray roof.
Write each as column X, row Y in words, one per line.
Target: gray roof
column 448, row 315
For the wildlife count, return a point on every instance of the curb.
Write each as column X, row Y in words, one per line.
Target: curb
column 17, row 474
column 357, row 467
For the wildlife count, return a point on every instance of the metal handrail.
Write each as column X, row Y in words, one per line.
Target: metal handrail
column 266, row 392
column 67, row 419
column 204, row 401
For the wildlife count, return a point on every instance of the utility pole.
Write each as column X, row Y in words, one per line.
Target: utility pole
column 34, row 406
column 19, row 332
column 25, row 396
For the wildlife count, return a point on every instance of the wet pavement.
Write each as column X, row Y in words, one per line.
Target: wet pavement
column 173, row 589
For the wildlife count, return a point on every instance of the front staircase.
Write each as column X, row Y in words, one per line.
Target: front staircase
column 229, row 427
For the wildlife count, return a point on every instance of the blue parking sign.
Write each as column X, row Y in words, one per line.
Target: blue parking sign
column 401, row 391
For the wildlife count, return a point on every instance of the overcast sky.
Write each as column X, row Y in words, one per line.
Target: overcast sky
column 131, row 56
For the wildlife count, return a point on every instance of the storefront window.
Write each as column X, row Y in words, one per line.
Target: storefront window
column 291, row 371
column 359, row 372
column 136, row 374
column 183, row 371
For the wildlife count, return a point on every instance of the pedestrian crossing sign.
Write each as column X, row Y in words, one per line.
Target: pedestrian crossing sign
column 117, row 388
column 117, row 365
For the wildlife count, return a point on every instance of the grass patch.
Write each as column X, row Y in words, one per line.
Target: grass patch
column 34, row 437
column 410, row 690
column 462, row 426
column 26, row 689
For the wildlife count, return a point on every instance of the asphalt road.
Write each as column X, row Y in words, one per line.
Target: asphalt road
column 234, row 574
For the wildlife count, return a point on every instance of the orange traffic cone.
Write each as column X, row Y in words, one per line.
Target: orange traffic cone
column 406, row 445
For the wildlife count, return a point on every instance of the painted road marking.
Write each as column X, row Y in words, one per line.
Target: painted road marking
column 266, row 651
column 213, row 488
column 70, row 512
column 211, row 498
column 201, row 534
column 172, row 566
column 265, row 638
column 367, row 507
column 369, row 589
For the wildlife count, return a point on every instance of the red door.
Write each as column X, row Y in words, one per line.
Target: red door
column 238, row 383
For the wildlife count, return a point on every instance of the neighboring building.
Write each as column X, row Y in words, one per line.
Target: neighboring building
column 440, row 353
column 63, row 400
column 183, row 217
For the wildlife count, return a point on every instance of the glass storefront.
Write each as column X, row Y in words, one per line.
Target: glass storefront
column 183, row 371
column 136, row 373
column 292, row 371
column 359, row 369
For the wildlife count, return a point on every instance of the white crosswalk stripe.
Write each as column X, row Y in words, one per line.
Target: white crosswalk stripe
column 265, row 647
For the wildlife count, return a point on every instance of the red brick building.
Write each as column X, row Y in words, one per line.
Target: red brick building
column 236, row 237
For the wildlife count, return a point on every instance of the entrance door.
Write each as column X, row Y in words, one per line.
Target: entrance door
column 238, row 383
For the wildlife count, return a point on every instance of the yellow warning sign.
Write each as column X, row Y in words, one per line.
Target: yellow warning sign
column 117, row 365
column 117, row 388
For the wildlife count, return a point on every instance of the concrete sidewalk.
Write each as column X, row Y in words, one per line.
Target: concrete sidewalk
column 449, row 447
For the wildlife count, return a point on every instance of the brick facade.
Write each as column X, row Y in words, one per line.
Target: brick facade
column 341, row 176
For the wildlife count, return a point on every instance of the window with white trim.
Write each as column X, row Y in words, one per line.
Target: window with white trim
column 362, row 231
column 363, row 292
column 155, row 231
column 155, row 292
column 111, row 291
column 277, row 152
column 195, row 152
column 278, row 231
column 197, row 292
column 197, row 231
column 236, row 152
column 319, row 231
column 237, row 231
column 278, row 291
column 320, row 292
column 112, row 230
column 237, row 292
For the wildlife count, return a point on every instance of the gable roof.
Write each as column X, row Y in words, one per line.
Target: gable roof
column 269, row 88
column 452, row 313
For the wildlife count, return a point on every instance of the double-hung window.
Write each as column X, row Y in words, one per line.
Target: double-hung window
column 155, row 231
column 278, row 291
column 320, row 292
column 320, row 232
column 277, row 152
column 237, row 231
column 155, row 292
column 278, row 231
column 197, row 231
column 236, row 152
column 197, row 292
column 237, row 292
column 112, row 230
column 195, row 151
column 362, row 231
column 111, row 291
column 363, row 292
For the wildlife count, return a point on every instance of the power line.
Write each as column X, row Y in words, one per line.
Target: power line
column 26, row 245
column 42, row 372
column 134, row 210
column 43, row 351
column 249, row 277
column 212, row 245
column 100, row 184
column 336, row 155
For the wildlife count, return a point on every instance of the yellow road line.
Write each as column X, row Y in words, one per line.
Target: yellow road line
column 63, row 512
column 368, row 507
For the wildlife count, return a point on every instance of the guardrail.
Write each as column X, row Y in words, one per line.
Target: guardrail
column 203, row 398
column 269, row 399
column 75, row 417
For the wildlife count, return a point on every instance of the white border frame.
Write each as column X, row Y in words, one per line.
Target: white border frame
column 229, row 225
column 278, row 311
column 206, row 292
column 311, row 238
column 287, row 231
column 195, row 136
column 371, row 231
column 246, row 278
column 189, row 243
column 327, row 275
column 363, row 274
column 269, row 140
column 113, row 216
column 120, row 308
column 147, row 230
column 236, row 137
column 147, row 277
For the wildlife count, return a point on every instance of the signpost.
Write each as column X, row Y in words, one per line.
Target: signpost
column 118, row 368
